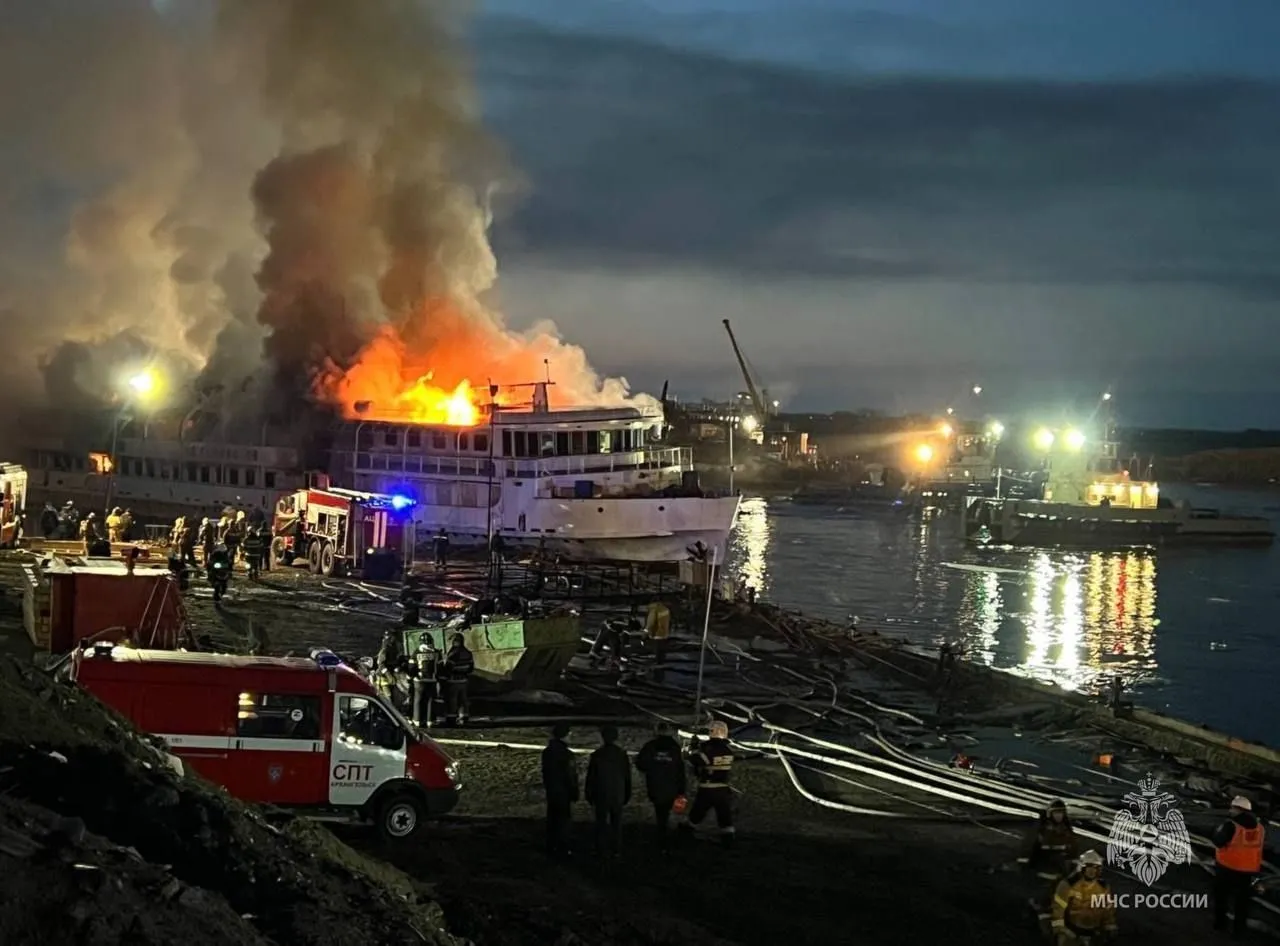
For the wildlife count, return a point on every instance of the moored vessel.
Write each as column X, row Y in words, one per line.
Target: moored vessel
column 590, row 484
column 1091, row 501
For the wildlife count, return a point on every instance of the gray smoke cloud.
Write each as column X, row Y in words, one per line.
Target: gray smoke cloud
column 248, row 189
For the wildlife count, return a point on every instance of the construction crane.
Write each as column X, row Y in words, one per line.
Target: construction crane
column 758, row 395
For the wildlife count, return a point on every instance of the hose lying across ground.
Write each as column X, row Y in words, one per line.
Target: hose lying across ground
column 795, row 750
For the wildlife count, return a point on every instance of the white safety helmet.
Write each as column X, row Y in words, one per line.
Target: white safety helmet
column 1242, row 803
column 1090, row 859
column 718, row 730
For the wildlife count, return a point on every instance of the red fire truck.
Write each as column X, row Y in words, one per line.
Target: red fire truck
column 307, row 734
column 342, row 531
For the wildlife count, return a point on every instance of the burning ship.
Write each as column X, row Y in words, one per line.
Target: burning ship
column 588, row 483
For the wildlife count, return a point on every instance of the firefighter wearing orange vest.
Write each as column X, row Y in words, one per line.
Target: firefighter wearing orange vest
column 1083, row 908
column 1239, row 841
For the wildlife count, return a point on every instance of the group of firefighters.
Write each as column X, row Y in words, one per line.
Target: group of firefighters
column 67, row 523
column 235, row 534
column 661, row 763
column 1081, row 910
column 436, row 680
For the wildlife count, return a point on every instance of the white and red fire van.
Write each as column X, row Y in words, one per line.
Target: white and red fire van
column 307, row 734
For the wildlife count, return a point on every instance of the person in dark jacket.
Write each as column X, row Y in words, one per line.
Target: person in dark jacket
column 713, row 765
column 1051, row 847
column 609, row 790
column 440, row 544
column 662, row 765
column 560, row 780
column 459, row 665
column 1240, row 842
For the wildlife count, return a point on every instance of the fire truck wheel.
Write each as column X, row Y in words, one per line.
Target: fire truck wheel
column 328, row 561
column 399, row 817
column 280, row 554
column 313, row 558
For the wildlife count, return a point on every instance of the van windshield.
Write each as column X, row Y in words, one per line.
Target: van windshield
column 400, row 719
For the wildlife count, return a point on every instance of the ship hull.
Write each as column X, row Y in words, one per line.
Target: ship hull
column 1063, row 525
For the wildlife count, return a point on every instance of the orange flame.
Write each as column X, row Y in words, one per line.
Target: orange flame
column 435, row 366
column 425, row 403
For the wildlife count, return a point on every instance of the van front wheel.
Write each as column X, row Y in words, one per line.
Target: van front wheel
column 399, row 818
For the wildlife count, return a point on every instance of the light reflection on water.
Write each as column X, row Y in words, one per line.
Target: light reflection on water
column 1072, row 617
column 1089, row 617
column 749, row 546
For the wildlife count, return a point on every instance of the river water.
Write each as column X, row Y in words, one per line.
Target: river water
column 1192, row 631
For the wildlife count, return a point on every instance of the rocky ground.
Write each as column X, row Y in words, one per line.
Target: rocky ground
column 101, row 843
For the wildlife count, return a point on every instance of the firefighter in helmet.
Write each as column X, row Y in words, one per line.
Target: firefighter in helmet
column 459, row 665
column 1083, row 907
column 713, row 765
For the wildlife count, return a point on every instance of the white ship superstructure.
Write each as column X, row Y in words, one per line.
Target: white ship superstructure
column 588, row 484
column 162, row 479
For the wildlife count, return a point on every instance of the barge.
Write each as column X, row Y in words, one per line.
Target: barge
column 1090, row 501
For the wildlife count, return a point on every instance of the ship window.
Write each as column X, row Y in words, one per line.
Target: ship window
column 192, row 474
column 464, row 442
column 151, row 468
column 606, row 442
column 578, row 443
column 482, row 443
column 438, row 442
column 233, row 476
column 562, row 444
column 506, row 444
column 392, row 439
column 413, row 438
column 204, row 474
column 273, row 716
column 363, row 722
column 593, row 441
column 250, row 477
column 270, row 479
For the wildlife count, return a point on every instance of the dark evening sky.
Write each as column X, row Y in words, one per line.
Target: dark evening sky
column 895, row 200
column 892, row 200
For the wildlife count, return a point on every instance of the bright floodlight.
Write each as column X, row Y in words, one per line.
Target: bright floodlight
column 1106, row 395
column 924, row 453
column 749, row 424
column 1044, row 439
column 946, row 430
column 997, row 430
column 977, row 389
column 144, row 382
column 1075, row 440
column 950, row 411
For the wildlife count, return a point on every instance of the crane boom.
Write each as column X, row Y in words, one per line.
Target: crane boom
column 756, row 400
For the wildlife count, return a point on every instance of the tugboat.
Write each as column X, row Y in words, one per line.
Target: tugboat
column 1091, row 501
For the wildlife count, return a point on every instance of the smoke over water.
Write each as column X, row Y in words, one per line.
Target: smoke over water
column 290, row 191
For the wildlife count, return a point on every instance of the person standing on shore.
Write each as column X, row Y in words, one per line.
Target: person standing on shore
column 713, row 765
column 1239, row 841
column 560, row 783
column 660, row 762
column 459, row 665
column 608, row 790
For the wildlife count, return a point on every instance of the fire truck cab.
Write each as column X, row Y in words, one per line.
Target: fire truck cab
column 306, row 734
column 342, row 531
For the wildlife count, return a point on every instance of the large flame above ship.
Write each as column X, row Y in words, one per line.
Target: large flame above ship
column 445, row 364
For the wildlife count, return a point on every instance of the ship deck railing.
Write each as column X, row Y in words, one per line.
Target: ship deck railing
column 644, row 460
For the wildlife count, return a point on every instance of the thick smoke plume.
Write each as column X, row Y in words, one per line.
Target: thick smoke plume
column 291, row 190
